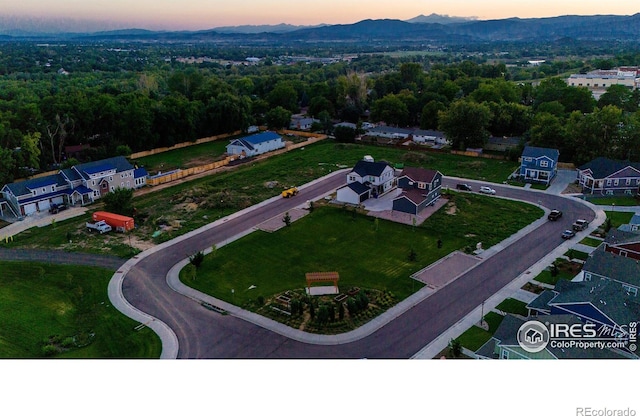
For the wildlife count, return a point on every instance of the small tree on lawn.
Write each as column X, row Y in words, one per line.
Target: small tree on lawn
column 120, row 201
column 455, row 348
column 287, row 219
column 197, row 259
column 554, row 270
column 412, row 255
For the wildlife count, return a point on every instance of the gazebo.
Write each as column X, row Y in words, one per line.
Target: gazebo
column 320, row 277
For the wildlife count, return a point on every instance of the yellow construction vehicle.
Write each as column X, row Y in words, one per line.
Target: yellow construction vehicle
column 288, row 193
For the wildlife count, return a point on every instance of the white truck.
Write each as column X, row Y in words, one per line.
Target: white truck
column 99, row 226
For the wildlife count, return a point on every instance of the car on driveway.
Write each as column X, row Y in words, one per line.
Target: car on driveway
column 463, row 187
column 567, row 234
column 55, row 208
column 554, row 215
column 487, row 190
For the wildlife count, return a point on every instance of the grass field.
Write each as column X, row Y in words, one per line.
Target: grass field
column 591, row 242
column 64, row 311
column 336, row 239
column 184, row 157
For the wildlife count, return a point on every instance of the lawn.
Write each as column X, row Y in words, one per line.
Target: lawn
column 63, row 311
column 576, row 254
column 514, row 306
column 493, row 319
column 474, row 338
column 566, row 270
column 591, row 242
column 619, row 218
column 611, row 201
column 184, row 157
column 365, row 255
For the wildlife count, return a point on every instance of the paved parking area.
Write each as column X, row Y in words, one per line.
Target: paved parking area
column 446, row 270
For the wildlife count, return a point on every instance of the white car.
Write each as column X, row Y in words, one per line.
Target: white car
column 487, row 190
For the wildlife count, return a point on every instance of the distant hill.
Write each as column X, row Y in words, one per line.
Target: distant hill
column 281, row 28
column 432, row 29
column 439, row 18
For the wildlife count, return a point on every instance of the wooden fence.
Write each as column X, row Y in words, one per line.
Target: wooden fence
column 191, row 171
column 182, row 145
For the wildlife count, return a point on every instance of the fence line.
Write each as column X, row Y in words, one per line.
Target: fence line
column 157, row 150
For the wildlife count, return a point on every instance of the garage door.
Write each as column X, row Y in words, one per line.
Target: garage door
column 44, row 205
column 30, row 209
column 58, row 200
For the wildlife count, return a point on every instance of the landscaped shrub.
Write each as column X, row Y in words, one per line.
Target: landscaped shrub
column 197, row 259
column 352, row 306
column 340, row 311
column 260, row 300
column 49, row 350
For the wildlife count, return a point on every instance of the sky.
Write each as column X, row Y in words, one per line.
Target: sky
column 207, row 14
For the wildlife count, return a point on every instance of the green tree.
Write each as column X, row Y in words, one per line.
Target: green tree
column 197, row 259
column 7, row 165
column 465, row 123
column 278, row 118
column 30, row 150
column 344, row 134
column 390, row 109
column 119, row 201
column 284, row 95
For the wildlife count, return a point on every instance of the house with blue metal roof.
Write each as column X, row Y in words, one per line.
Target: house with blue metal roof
column 539, row 164
column 609, row 177
column 255, row 144
column 79, row 185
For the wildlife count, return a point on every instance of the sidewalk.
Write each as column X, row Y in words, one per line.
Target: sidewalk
column 511, row 290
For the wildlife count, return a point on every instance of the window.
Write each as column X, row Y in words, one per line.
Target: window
column 615, row 182
column 527, row 159
column 631, row 290
column 110, row 178
column 504, row 355
column 608, row 182
column 422, row 185
column 53, row 188
column 628, row 181
column 44, row 190
column 587, row 276
column 93, row 183
column 544, row 163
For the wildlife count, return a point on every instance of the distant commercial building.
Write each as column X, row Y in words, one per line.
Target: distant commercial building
column 599, row 80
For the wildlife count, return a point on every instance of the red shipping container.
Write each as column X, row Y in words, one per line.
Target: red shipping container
column 118, row 222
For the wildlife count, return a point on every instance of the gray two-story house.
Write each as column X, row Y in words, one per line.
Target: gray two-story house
column 609, row 177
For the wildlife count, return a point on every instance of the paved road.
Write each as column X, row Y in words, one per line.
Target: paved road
column 205, row 334
column 62, row 257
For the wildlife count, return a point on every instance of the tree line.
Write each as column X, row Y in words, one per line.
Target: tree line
column 137, row 100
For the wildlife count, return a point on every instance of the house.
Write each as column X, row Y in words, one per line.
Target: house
column 393, row 133
column 625, row 271
column 608, row 177
column 623, row 243
column 429, row 137
column 81, row 184
column 539, row 164
column 367, row 179
column 255, row 144
column 302, row 123
column 420, row 188
column 504, row 345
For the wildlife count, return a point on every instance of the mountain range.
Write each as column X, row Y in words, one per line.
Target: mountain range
column 432, row 29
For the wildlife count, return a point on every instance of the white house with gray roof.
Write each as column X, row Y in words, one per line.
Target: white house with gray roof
column 255, row 144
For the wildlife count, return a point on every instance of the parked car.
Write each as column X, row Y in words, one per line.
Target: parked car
column 487, row 190
column 567, row 234
column 55, row 208
column 554, row 215
column 463, row 187
column 580, row 225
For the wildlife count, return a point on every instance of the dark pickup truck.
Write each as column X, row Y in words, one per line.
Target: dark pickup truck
column 55, row 208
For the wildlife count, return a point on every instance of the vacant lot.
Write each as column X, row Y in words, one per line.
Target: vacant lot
column 64, row 311
column 366, row 254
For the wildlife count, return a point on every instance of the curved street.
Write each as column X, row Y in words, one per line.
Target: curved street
column 201, row 333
